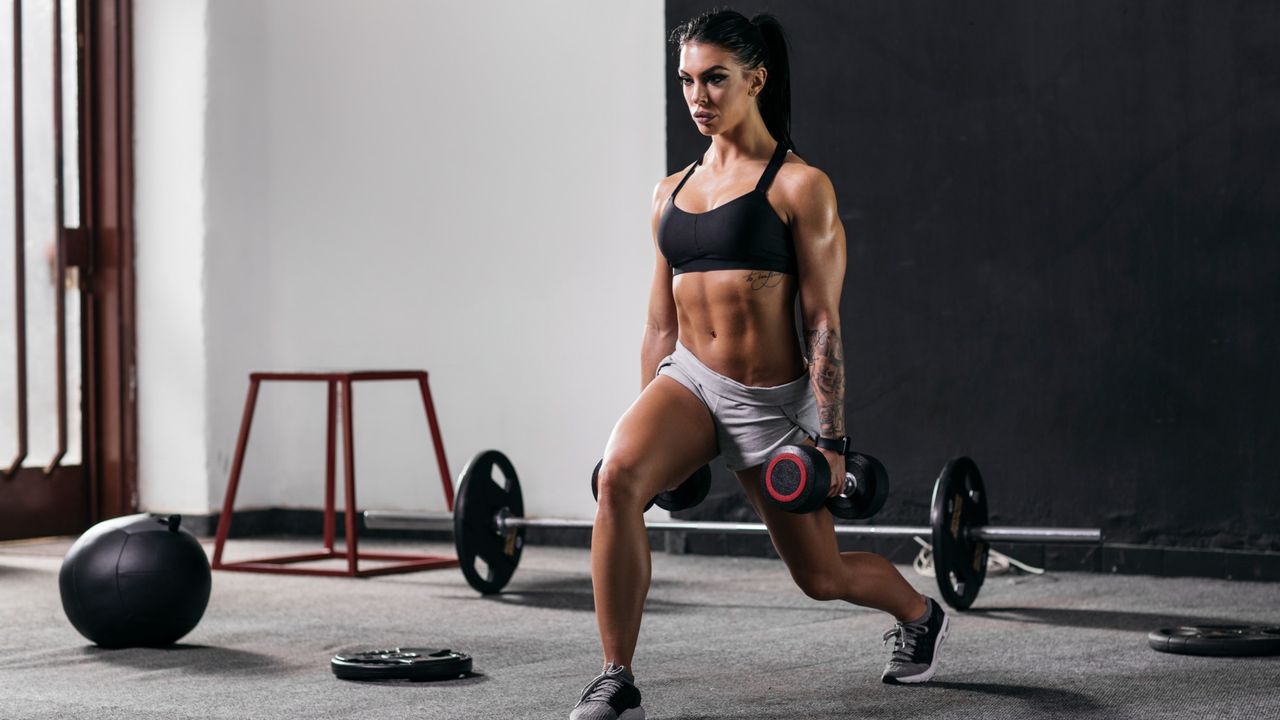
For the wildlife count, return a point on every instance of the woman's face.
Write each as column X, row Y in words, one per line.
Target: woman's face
column 720, row 93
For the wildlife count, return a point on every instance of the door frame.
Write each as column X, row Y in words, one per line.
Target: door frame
column 111, row 414
column 61, row 499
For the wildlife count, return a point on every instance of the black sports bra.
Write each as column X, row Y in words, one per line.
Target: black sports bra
column 744, row 233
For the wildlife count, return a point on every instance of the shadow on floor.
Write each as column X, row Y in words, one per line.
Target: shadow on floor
column 1106, row 619
column 569, row 593
column 199, row 659
column 576, row 595
column 12, row 571
column 1041, row 700
column 1038, row 701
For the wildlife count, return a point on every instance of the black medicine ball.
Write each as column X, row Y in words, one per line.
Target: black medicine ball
column 136, row 581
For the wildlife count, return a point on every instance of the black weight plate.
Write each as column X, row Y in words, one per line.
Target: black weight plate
column 796, row 478
column 868, row 500
column 689, row 493
column 1217, row 640
column 400, row 664
column 480, row 498
column 959, row 503
column 879, row 490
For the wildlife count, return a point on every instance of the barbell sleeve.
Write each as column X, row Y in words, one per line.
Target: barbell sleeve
column 393, row 520
column 1013, row 534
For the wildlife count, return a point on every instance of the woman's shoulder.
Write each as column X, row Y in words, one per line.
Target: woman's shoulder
column 797, row 178
column 798, row 170
column 667, row 185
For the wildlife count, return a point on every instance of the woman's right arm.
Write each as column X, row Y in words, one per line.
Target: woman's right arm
column 660, row 324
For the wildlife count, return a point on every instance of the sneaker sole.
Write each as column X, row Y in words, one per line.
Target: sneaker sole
column 635, row 713
column 927, row 675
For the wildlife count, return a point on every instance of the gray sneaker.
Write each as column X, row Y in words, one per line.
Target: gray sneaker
column 916, row 647
column 612, row 695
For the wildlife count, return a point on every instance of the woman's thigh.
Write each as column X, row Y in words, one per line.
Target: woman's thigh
column 664, row 436
column 806, row 542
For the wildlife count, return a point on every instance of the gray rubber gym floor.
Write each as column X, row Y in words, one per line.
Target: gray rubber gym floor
column 723, row 638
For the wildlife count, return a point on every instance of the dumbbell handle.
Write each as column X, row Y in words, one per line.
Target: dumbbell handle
column 849, row 486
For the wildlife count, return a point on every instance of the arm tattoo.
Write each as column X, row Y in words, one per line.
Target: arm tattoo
column 826, row 372
column 760, row 280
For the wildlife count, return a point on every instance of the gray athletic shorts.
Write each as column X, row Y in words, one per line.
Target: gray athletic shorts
column 751, row 422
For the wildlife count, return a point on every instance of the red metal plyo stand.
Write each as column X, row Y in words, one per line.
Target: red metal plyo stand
column 288, row 564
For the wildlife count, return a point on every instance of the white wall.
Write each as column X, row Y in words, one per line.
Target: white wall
column 239, row 319
column 459, row 187
column 169, row 152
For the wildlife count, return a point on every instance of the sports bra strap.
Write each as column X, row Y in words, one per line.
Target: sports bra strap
column 775, row 162
column 685, row 179
column 766, row 179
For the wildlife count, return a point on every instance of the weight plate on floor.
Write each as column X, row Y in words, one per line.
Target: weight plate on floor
column 959, row 503
column 400, row 664
column 1217, row 640
column 488, row 560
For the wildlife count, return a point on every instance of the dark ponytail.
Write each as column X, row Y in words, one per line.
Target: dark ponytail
column 755, row 42
column 775, row 100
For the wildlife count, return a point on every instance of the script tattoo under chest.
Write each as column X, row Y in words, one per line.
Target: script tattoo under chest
column 760, row 280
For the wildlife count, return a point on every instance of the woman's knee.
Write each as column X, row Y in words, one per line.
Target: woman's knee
column 621, row 485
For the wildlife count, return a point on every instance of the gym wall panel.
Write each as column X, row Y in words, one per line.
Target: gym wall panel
column 1063, row 230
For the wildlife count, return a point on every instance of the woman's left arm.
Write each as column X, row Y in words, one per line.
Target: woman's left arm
column 819, row 240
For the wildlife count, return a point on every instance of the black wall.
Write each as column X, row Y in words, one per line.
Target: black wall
column 1063, row 227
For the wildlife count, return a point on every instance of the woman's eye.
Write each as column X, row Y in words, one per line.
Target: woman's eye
column 715, row 79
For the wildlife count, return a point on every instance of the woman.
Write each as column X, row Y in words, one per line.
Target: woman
column 739, row 236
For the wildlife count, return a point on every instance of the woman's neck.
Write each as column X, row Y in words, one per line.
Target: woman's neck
column 747, row 141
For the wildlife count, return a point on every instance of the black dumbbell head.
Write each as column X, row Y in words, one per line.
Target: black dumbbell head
column 796, row 478
column 689, row 493
column 870, row 488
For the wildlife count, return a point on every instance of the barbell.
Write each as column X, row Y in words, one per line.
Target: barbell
column 488, row 527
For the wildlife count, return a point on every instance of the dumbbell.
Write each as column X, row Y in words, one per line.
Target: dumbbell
column 797, row 479
column 685, row 495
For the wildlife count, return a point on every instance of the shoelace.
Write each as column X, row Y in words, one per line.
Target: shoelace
column 906, row 635
column 603, row 686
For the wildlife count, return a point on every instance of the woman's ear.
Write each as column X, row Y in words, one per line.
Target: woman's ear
column 759, row 77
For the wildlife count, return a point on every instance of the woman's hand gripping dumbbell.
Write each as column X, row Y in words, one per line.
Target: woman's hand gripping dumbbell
column 797, row 478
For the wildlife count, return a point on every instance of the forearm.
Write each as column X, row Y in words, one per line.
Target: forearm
column 657, row 344
column 825, row 349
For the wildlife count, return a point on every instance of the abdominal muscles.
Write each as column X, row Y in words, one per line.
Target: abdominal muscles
column 741, row 323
